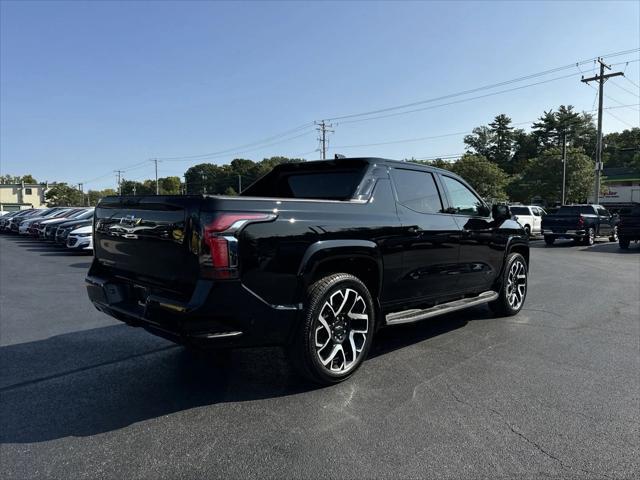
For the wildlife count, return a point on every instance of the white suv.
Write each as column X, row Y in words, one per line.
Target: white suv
column 529, row 216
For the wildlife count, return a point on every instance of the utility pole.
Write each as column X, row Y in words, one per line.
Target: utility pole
column 564, row 166
column 185, row 185
column 323, row 129
column 134, row 189
column 119, row 176
column 600, row 79
column 80, row 189
column 239, row 183
column 204, row 185
column 155, row 160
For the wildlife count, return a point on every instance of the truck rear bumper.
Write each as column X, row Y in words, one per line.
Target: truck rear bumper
column 218, row 314
column 547, row 232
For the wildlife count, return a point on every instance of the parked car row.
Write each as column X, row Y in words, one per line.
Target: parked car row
column 69, row 227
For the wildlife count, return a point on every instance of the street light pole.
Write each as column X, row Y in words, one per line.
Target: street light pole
column 564, row 166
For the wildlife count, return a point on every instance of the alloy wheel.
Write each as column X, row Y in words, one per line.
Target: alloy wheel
column 516, row 284
column 341, row 330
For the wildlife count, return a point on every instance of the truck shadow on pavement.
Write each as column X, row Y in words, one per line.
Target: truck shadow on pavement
column 95, row 381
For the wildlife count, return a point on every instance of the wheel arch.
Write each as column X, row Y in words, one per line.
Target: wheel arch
column 360, row 258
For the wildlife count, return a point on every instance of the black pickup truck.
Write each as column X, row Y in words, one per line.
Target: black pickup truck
column 629, row 226
column 314, row 256
column 582, row 223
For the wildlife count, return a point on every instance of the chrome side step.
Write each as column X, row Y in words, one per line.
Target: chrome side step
column 410, row 316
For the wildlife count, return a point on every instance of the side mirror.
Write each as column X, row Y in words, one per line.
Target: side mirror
column 500, row 212
column 483, row 211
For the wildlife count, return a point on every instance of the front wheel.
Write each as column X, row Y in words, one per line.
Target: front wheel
column 624, row 243
column 336, row 330
column 513, row 289
column 614, row 235
column 549, row 240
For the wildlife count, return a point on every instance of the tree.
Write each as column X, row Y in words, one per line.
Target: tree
column 487, row 178
column 501, row 146
column 551, row 127
column 62, row 195
column 479, row 141
column 94, row 196
column 169, row 185
column 620, row 148
column 542, row 178
column 10, row 179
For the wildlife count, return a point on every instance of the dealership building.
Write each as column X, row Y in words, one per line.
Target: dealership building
column 621, row 187
column 18, row 196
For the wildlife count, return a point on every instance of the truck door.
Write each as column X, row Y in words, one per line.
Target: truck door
column 481, row 246
column 604, row 221
column 429, row 239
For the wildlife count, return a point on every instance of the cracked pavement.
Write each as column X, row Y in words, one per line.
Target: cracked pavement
column 553, row 392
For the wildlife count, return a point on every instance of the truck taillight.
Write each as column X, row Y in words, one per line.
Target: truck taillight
column 580, row 221
column 221, row 261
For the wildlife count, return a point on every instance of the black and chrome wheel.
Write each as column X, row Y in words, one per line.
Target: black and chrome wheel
column 336, row 331
column 527, row 231
column 513, row 288
column 624, row 243
column 549, row 240
column 614, row 235
column 590, row 237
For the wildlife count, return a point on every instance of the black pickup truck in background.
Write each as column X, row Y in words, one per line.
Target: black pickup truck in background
column 314, row 256
column 629, row 225
column 582, row 223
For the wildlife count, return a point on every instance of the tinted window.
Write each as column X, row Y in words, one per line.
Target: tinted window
column 602, row 212
column 318, row 180
column 576, row 209
column 520, row 211
column 463, row 201
column 417, row 190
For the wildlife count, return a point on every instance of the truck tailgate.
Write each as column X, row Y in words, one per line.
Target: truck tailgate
column 148, row 239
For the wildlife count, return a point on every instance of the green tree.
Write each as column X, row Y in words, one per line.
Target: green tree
column 620, row 148
column 94, row 196
column 62, row 195
column 169, row 185
column 542, row 178
column 28, row 179
column 487, row 178
column 501, row 147
column 480, row 141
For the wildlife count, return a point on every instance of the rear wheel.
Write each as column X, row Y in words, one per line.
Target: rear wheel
column 513, row 290
column 335, row 334
column 549, row 240
column 623, row 243
column 527, row 230
column 590, row 237
column 614, row 235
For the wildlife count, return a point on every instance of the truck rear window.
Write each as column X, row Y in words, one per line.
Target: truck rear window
column 575, row 210
column 314, row 180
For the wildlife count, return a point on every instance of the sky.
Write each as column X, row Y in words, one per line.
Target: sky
column 90, row 87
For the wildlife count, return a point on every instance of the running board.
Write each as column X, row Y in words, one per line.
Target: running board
column 410, row 316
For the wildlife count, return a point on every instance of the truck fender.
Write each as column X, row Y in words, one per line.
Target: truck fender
column 327, row 250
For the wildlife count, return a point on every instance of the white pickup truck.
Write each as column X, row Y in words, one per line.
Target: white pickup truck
column 529, row 216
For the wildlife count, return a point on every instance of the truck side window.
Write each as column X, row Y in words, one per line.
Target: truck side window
column 417, row 190
column 536, row 212
column 602, row 212
column 463, row 201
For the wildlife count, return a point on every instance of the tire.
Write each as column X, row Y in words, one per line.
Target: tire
column 614, row 235
column 527, row 230
column 624, row 243
column 513, row 287
column 331, row 343
column 549, row 240
column 590, row 237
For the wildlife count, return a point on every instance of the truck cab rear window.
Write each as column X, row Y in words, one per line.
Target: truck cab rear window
column 322, row 182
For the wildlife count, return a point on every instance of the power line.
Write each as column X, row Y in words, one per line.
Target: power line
column 477, row 89
column 631, row 82
column 323, row 128
column 625, row 89
column 621, row 120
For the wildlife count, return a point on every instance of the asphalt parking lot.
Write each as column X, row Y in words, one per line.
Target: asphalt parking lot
column 554, row 391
